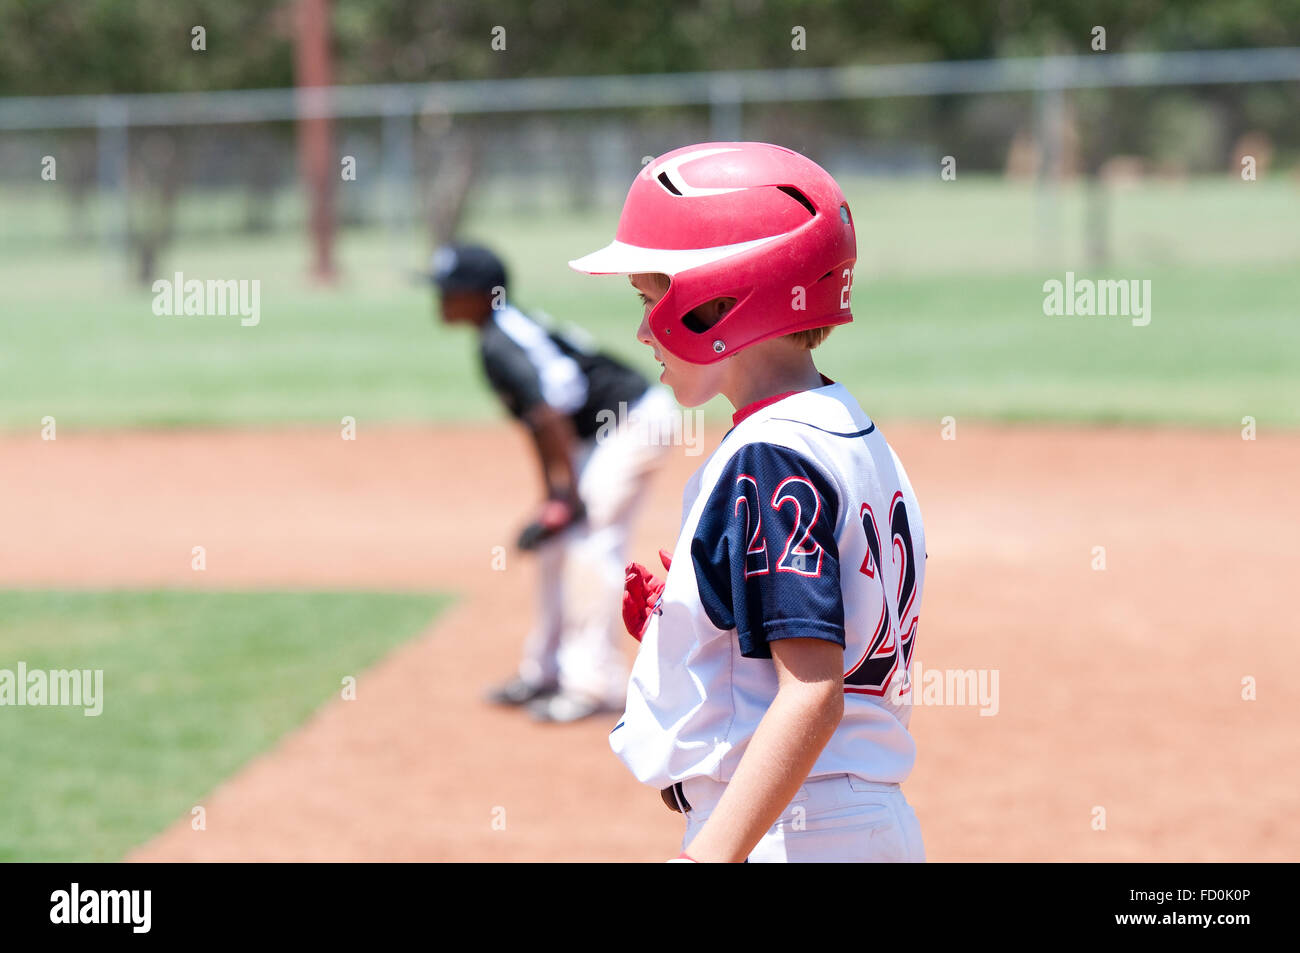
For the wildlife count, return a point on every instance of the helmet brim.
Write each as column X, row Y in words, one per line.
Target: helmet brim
column 619, row 258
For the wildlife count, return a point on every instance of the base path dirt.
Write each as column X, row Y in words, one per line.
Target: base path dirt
column 1124, row 598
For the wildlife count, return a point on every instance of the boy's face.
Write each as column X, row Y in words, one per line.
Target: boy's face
column 464, row 307
column 692, row 384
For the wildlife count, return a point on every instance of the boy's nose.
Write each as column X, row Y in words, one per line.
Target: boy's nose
column 643, row 333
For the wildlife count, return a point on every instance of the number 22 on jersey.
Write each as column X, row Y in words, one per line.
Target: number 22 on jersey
column 872, row 674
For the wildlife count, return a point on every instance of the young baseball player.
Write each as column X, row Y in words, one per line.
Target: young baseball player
column 596, row 425
column 769, row 701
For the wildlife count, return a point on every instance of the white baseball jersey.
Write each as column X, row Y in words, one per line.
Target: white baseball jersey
column 802, row 524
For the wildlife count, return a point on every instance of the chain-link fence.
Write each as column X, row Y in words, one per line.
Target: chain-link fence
column 136, row 173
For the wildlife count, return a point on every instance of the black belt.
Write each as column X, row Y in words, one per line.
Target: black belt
column 675, row 798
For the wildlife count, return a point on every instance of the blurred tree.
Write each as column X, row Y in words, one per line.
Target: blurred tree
column 95, row 46
column 49, row 47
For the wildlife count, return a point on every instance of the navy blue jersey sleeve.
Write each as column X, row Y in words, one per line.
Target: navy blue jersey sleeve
column 765, row 556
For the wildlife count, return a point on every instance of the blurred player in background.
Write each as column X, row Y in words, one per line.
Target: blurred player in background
column 598, row 427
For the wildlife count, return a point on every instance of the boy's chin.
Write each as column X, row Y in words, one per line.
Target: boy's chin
column 686, row 398
column 695, row 391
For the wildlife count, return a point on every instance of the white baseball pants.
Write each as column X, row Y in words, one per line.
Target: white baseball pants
column 837, row 818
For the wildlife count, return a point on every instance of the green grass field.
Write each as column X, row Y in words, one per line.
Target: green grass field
column 194, row 685
column 948, row 297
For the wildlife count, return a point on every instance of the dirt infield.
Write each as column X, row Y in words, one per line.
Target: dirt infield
column 1119, row 690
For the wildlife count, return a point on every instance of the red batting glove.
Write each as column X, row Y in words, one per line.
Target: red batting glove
column 641, row 592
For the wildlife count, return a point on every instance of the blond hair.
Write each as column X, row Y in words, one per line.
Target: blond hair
column 810, row 338
column 657, row 281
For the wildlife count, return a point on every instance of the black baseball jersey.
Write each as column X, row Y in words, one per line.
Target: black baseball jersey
column 528, row 365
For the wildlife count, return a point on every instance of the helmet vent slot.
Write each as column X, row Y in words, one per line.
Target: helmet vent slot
column 799, row 197
column 667, row 183
column 694, row 323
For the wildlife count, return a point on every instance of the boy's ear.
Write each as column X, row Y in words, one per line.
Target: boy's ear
column 708, row 314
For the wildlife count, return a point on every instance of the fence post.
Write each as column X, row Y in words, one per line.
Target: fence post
column 398, row 163
column 725, row 113
column 1050, row 121
column 113, row 176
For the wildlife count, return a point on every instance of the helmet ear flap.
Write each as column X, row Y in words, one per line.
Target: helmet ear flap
column 679, row 329
column 665, row 315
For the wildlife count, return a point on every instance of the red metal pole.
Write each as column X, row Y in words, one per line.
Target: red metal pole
column 315, row 131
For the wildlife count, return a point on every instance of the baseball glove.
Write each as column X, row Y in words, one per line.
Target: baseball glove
column 555, row 517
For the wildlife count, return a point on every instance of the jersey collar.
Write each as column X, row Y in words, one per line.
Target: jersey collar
column 750, row 409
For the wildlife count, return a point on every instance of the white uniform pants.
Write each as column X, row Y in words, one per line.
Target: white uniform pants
column 577, row 642
column 835, row 818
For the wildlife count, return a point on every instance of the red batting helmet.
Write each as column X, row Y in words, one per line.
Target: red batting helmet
column 744, row 220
